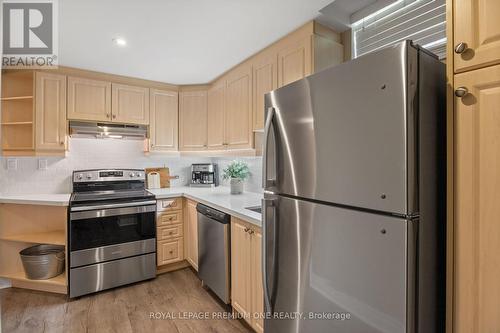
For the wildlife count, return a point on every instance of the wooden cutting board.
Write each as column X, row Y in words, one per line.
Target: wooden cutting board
column 164, row 176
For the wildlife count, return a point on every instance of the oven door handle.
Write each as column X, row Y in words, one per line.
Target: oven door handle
column 115, row 205
column 89, row 214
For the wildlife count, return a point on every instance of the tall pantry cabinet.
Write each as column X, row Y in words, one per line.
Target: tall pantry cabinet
column 474, row 232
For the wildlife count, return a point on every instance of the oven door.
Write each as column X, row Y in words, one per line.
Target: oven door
column 109, row 233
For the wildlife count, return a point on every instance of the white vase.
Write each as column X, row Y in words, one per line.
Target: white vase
column 236, row 185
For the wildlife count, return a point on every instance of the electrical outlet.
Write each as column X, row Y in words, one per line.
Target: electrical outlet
column 42, row 164
column 12, row 164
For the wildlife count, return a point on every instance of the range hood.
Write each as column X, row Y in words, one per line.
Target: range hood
column 80, row 129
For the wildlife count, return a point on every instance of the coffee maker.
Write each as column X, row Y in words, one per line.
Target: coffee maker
column 204, row 175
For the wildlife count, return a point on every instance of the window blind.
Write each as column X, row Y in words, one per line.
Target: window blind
column 423, row 21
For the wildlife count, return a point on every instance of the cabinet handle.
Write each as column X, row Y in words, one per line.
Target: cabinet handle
column 251, row 232
column 170, row 218
column 62, row 143
column 246, row 229
column 461, row 92
column 171, row 233
column 114, row 116
column 107, row 115
column 171, row 251
column 461, row 48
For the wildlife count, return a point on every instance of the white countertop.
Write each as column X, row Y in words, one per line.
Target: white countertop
column 218, row 198
column 36, row 199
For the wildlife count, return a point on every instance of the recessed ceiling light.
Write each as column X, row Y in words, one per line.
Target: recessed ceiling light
column 119, row 41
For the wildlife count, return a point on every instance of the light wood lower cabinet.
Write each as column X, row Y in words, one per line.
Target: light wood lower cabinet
column 246, row 272
column 169, row 231
column 191, row 224
column 50, row 112
column 163, row 120
column 89, row 99
column 477, row 198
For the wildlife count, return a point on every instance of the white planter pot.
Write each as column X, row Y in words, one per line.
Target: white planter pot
column 236, row 186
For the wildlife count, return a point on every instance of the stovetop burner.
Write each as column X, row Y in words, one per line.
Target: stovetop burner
column 109, row 185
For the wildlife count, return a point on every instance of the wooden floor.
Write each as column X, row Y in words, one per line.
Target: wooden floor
column 125, row 309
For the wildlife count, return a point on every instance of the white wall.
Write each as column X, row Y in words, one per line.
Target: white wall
column 109, row 153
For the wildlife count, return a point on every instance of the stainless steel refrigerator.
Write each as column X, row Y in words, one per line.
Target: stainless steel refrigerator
column 354, row 208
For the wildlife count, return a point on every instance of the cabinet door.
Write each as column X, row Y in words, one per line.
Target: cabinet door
column 50, row 111
column 164, row 114
column 477, row 198
column 89, row 99
column 216, row 102
column 192, row 234
column 295, row 61
column 476, row 23
column 169, row 251
column 265, row 79
column 238, row 114
column 130, row 104
column 257, row 289
column 193, row 120
column 240, row 268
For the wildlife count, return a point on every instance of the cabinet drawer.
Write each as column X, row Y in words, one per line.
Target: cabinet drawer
column 168, row 204
column 169, row 218
column 170, row 251
column 169, row 232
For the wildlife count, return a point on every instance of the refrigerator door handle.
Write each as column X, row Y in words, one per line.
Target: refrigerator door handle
column 267, row 127
column 268, row 295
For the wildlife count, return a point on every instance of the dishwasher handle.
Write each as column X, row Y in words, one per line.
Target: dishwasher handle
column 213, row 214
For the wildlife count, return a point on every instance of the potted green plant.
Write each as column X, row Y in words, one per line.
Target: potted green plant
column 236, row 172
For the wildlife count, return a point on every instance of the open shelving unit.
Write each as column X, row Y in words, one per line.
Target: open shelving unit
column 22, row 226
column 18, row 112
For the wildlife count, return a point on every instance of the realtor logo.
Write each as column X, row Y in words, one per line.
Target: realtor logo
column 29, row 34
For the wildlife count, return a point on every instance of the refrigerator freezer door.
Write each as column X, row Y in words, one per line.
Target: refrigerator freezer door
column 344, row 267
column 346, row 134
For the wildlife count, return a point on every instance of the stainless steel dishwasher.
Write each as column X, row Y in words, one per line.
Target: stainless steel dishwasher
column 214, row 251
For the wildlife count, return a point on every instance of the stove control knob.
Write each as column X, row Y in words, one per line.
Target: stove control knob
column 132, row 175
column 89, row 176
column 139, row 175
column 79, row 176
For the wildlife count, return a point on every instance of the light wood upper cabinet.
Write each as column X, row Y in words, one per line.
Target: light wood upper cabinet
column 89, row 99
column 50, row 112
column 238, row 115
column 193, row 120
column 477, row 24
column 130, row 104
column 164, row 116
column 247, row 296
column 265, row 79
column 191, row 220
column 295, row 61
column 216, row 110
column 477, row 209
column 240, row 268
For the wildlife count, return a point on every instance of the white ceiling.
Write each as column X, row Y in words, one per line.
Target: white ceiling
column 174, row 41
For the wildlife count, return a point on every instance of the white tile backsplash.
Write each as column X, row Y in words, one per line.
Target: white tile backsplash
column 254, row 182
column 88, row 154
column 105, row 153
